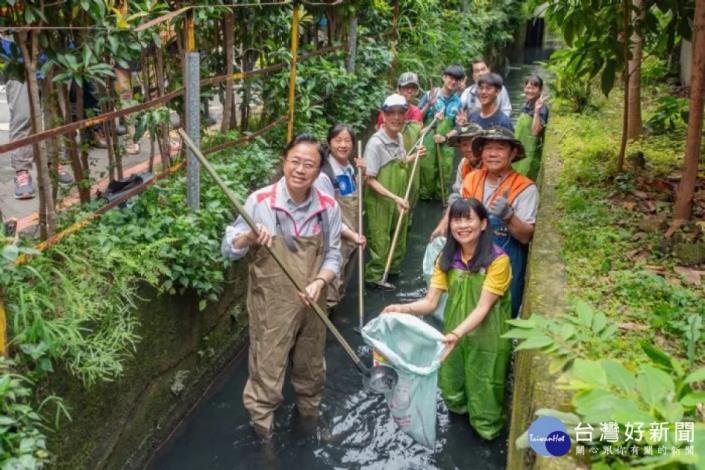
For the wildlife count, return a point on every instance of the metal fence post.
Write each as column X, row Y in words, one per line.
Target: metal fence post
column 192, row 102
column 352, row 43
column 292, row 71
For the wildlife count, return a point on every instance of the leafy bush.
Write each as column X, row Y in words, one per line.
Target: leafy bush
column 656, row 389
column 570, row 83
column 671, row 114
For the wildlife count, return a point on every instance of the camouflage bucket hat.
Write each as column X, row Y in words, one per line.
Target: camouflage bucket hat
column 467, row 131
column 498, row 134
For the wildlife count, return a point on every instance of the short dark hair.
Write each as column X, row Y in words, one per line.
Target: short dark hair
column 484, row 251
column 455, row 71
column 534, row 80
column 478, row 60
column 491, row 79
column 334, row 131
column 305, row 138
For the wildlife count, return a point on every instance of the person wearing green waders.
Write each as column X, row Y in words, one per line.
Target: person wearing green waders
column 476, row 274
column 408, row 87
column 435, row 171
column 530, row 127
column 388, row 172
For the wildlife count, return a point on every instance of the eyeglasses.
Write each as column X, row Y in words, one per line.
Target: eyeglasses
column 307, row 166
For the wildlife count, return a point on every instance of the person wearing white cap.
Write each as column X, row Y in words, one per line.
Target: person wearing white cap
column 388, row 172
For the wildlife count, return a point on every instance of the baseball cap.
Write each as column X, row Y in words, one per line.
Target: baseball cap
column 408, row 78
column 394, row 100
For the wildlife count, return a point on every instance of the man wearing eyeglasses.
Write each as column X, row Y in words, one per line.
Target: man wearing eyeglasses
column 302, row 225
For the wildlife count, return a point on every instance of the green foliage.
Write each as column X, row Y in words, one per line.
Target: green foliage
column 433, row 34
column 569, row 83
column 566, row 338
column 630, row 348
column 653, row 390
column 670, row 115
column 22, row 440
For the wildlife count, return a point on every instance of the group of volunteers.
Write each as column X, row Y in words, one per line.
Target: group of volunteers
column 309, row 218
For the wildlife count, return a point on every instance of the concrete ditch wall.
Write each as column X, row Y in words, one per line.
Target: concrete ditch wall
column 118, row 425
column 534, row 387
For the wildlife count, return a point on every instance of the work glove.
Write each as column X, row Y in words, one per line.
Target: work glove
column 502, row 208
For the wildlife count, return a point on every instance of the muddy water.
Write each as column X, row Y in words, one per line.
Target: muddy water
column 355, row 430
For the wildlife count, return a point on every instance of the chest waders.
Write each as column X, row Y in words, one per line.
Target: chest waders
column 410, row 134
column 283, row 329
column 515, row 183
column 533, row 146
column 381, row 215
column 517, row 253
column 348, row 210
column 436, row 167
column 473, row 377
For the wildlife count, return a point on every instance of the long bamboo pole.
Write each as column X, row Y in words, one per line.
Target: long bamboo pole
column 361, row 251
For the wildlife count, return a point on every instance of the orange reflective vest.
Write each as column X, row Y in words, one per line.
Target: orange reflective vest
column 474, row 186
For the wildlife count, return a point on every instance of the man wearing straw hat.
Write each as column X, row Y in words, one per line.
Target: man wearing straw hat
column 510, row 197
column 302, row 226
column 388, row 173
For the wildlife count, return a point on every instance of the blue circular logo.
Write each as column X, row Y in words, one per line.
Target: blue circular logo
column 548, row 436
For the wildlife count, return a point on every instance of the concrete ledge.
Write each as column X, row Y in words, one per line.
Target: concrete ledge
column 119, row 424
column 534, row 387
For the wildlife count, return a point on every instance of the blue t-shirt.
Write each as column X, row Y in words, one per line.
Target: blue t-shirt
column 497, row 119
column 449, row 104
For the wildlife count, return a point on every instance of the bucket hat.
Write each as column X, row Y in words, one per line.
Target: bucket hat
column 501, row 134
column 466, row 131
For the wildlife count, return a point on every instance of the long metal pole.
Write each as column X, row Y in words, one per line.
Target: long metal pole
column 246, row 217
column 292, row 73
column 193, row 114
column 361, row 251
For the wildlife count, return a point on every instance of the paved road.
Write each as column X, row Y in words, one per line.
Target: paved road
column 98, row 163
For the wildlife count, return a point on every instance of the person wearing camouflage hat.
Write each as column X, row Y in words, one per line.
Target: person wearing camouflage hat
column 470, row 161
column 510, row 197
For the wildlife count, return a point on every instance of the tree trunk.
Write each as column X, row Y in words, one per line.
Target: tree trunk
column 47, row 215
column 228, row 31
column 634, row 128
column 682, row 209
column 164, row 147
column 51, row 118
column 84, row 191
column 625, row 110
